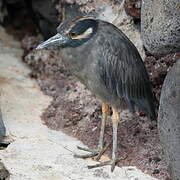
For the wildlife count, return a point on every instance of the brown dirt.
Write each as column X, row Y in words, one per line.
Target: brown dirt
column 75, row 111
column 158, row 69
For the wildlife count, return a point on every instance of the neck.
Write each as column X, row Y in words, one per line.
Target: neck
column 75, row 59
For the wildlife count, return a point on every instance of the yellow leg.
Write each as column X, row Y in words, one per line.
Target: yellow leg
column 114, row 160
column 115, row 121
column 105, row 113
column 101, row 149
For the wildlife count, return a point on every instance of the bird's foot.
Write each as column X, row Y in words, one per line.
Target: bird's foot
column 96, row 154
column 111, row 162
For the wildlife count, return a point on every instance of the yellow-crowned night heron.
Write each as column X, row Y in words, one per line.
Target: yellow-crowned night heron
column 106, row 61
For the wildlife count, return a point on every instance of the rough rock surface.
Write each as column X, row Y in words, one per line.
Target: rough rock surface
column 46, row 16
column 169, row 119
column 23, row 14
column 4, row 174
column 3, row 11
column 160, row 26
column 158, row 69
column 133, row 8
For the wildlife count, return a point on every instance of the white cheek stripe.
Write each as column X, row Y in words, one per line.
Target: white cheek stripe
column 84, row 35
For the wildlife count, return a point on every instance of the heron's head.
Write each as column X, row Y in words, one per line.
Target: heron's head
column 72, row 33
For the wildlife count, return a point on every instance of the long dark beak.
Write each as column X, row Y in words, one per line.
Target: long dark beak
column 56, row 40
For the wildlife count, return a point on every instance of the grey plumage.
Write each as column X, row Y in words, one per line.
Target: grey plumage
column 122, row 70
column 111, row 67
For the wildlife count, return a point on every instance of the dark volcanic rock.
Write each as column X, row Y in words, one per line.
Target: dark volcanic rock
column 72, row 11
column 3, row 11
column 169, row 119
column 4, row 174
column 133, row 8
column 157, row 69
column 2, row 127
column 46, row 16
column 1, row 14
column 21, row 13
column 160, row 26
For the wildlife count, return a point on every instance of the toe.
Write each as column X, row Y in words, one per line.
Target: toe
column 113, row 165
column 86, row 149
column 86, row 155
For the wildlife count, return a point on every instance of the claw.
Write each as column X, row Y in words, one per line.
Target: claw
column 86, row 155
column 100, row 164
column 93, row 153
column 112, row 162
column 102, row 151
column 85, row 149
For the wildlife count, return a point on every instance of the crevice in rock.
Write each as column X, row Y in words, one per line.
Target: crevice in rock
column 4, row 145
column 4, row 173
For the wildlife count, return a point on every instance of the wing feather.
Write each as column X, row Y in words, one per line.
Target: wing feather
column 123, row 73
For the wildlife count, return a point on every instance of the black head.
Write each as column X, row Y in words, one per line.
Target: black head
column 73, row 33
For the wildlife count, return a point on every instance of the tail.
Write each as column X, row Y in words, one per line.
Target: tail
column 149, row 108
column 147, row 104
